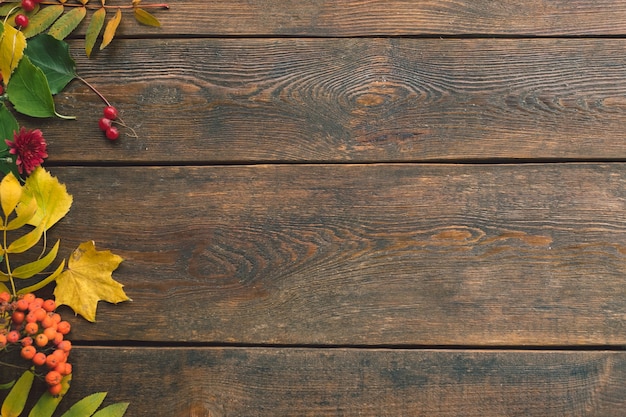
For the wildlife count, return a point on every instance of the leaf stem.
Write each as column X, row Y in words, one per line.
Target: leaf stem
column 92, row 88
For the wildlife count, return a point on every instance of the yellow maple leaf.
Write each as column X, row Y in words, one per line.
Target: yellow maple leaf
column 88, row 280
column 12, row 45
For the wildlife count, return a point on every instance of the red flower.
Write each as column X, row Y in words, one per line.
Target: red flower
column 30, row 148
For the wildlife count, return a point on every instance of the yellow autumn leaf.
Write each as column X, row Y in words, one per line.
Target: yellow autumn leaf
column 53, row 200
column 10, row 193
column 87, row 280
column 12, row 45
column 145, row 18
column 110, row 29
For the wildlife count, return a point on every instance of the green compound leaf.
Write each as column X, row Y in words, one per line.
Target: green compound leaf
column 29, row 92
column 94, row 29
column 53, row 57
column 113, row 410
column 14, row 403
column 87, row 406
column 43, row 20
column 30, row 269
column 67, row 23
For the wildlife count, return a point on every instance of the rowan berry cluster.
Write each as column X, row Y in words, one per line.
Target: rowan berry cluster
column 31, row 324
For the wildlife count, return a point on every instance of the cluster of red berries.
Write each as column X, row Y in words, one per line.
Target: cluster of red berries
column 106, row 123
column 21, row 20
column 32, row 325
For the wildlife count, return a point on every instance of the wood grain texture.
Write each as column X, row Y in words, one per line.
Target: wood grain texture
column 349, row 100
column 359, row 254
column 384, row 17
column 221, row 382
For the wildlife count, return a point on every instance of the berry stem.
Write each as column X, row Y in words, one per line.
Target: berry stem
column 93, row 89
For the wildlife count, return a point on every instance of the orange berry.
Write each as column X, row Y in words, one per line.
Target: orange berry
column 31, row 328
column 5, row 297
column 29, row 297
column 3, row 341
column 48, row 322
column 28, row 352
column 64, row 327
column 41, row 340
column 56, row 317
column 39, row 358
column 22, row 304
column 13, row 336
column 18, row 317
column 53, row 378
column 27, row 341
column 52, row 361
column 49, row 305
column 50, row 333
column 55, row 390
column 36, row 303
column 68, row 369
column 65, row 346
column 58, row 338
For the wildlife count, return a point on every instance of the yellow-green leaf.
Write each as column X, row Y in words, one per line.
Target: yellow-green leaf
column 35, row 267
column 12, row 44
column 43, row 20
column 67, row 23
column 10, row 193
column 53, row 201
column 113, row 410
column 109, row 30
column 24, row 215
column 43, row 282
column 146, row 18
column 47, row 403
column 88, row 280
column 93, row 30
column 27, row 241
column 16, row 400
column 4, row 288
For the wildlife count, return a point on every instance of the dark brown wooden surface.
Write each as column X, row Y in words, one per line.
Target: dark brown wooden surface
column 356, row 208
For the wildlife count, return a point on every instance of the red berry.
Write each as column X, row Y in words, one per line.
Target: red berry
column 28, row 5
column 17, row 317
column 26, row 341
column 110, row 112
column 104, row 124
column 22, row 304
column 21, row 20
column 112, row 133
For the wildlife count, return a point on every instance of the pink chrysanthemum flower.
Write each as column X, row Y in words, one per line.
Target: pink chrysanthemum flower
column 30, row 148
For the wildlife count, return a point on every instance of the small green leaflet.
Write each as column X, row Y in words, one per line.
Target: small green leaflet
column 29, row 92
column 14, row 403
column 68, row 22
column 94, row 29
column 8, row 125
column 53, row 57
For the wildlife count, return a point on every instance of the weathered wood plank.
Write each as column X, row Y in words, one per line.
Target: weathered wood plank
column 215, row 100
column 330, row 382
column 383, row 17
column 359, row 254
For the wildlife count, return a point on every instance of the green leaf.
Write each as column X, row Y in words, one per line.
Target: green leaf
column 29, row 92
column 67, row 23
column 30, row 269
column 8, row 385
column 94, row 29
column 53, row 57
column 146, row 18
column 47, row 403
column 16, row 400
column 43, row 20
column 110, row 29
column 113, row 410
column 7, row 8
column 8, row 125
column 87, row 406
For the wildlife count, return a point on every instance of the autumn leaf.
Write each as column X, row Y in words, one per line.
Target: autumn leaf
column 88, row 280
column 12, row 45
column 110, row 29
column 145, row 18
column 52, row 198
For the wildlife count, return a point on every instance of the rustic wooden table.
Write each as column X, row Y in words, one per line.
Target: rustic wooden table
column 342, row 208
